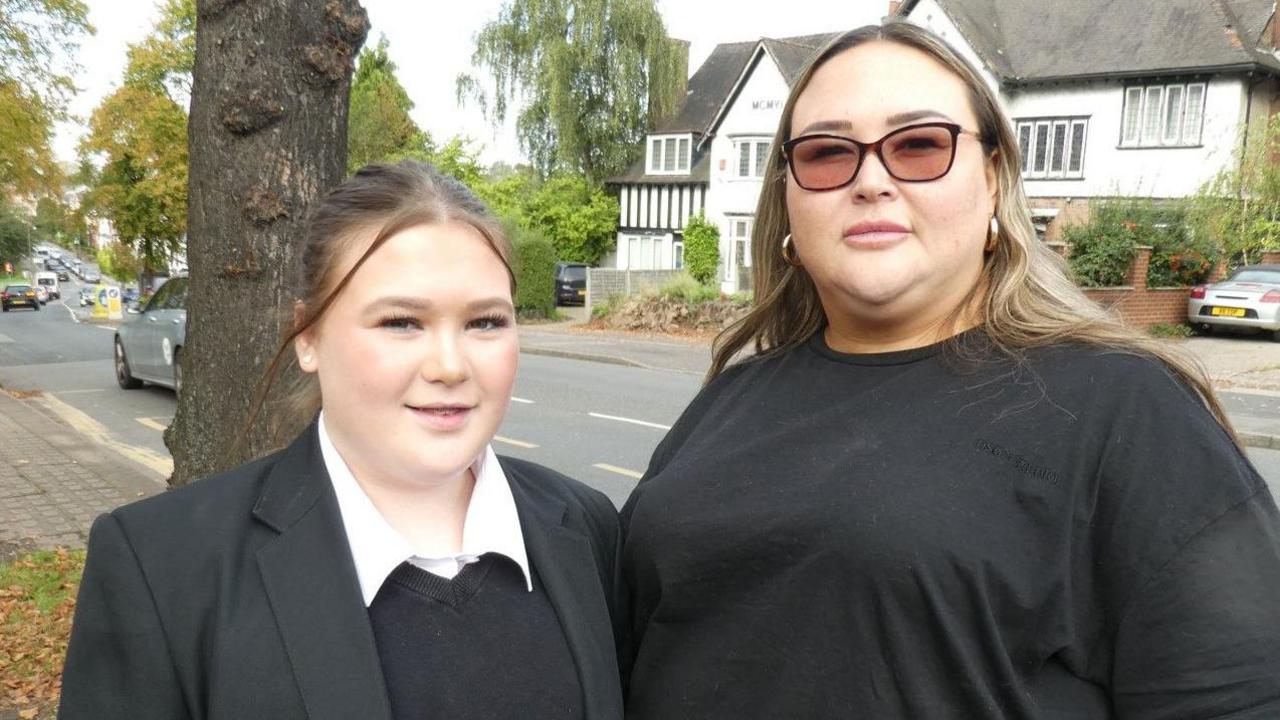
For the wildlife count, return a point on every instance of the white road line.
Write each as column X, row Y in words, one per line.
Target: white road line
column 517, row 443
column 629, row 420
column 5, row 338
column 148, row 422
column 621, row 471
column 521, row 400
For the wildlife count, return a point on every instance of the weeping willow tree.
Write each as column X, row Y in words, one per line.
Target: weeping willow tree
column 593, row 75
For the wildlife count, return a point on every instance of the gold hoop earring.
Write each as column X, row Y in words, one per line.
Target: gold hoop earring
column 790, row 258
column 993, row 234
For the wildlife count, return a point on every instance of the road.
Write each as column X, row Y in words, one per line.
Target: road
column 593, row 421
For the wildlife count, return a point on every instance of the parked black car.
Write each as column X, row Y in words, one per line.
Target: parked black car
column 19, row 296
column 571, row 283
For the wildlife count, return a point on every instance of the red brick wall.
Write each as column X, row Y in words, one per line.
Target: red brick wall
column 1139, row 306
column 1166, row 306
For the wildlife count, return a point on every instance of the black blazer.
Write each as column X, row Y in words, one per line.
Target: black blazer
column 236, row 597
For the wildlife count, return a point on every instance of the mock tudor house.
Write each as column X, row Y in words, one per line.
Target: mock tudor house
column 709, row 157
column 1143, row 98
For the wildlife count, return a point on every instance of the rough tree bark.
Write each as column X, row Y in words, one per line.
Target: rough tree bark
column 267, row 136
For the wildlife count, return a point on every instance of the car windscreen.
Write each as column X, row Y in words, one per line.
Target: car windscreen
column 17, row 288
column 575, row 272
column 1258, row 276
column 46, row 281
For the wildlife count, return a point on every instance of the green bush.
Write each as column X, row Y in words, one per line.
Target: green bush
column 701, row 249
column 535, row 268
column 1102, row 250
column 684, row 287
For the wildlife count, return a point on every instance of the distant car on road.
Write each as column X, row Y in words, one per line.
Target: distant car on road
column 128, row 295
column 92, row 277
column 63, row 274
column 571, row 283
column 50, row 283
column 19, row 296
column 86, row 296
column 148, row 346
column 42, row 294
column 1249, row 299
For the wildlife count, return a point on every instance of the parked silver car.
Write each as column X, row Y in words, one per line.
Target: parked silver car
column 1250, row 298
column 149, row 344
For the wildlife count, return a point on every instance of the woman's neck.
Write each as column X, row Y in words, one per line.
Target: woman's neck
column 430, row 517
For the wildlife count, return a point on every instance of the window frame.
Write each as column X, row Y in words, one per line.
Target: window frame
column 1192, row 96
column 659, row 146
column 757, row 148
column 1041, row 133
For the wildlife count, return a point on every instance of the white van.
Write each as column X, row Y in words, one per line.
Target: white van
column 50, row 282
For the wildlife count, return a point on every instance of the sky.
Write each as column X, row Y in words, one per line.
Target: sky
column 430, row 50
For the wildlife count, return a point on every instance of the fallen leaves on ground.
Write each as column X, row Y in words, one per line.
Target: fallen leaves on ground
column 37, row 599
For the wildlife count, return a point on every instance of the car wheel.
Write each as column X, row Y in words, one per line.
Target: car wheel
column 177, row 371
column 125, row 378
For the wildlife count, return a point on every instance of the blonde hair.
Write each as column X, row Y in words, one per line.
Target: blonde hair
column 1025, row 298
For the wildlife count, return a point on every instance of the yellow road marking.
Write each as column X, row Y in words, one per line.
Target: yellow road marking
column 98, row 432
column 619, row 470
column 517, row 443
column 148, row 422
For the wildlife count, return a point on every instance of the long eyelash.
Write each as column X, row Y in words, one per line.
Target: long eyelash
column 497, row 319
column 399, row 319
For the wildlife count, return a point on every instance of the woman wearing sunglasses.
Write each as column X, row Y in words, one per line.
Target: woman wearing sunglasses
column 946, row 485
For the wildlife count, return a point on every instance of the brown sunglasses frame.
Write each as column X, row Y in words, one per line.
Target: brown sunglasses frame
column 866, row 149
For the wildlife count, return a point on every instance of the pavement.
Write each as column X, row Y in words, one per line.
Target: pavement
column 56, row 476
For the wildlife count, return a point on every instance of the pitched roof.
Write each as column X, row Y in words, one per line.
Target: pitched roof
column 708, row 88
column 1026, row 42
column 792, row 53
column 712, row 86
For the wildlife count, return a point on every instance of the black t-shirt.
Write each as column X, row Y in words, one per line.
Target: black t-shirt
column 934, row 534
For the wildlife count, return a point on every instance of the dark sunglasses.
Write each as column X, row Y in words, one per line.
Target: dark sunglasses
column 915, row 153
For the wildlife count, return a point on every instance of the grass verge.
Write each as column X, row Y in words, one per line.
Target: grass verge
column 37, row 599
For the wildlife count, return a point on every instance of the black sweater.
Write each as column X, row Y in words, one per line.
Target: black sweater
column 478, row 646
column 908, row 535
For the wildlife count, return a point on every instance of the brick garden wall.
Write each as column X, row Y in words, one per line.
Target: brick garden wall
column 603, row 283
column 1135, row 303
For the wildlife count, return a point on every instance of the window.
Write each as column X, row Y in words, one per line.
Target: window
column 668, row 155
column 1052, row 147
column 752, row 156
column 677, row 251
column 642, row 253
column 1163, row 115
column 739, row 248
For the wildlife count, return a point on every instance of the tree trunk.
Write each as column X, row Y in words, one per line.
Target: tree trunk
column 267, row 136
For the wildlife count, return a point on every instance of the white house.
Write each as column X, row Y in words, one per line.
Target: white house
column 1143, row 98
column 709, row 158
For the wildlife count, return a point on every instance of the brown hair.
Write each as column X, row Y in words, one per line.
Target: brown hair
column 1025, row 298
column 378, row 199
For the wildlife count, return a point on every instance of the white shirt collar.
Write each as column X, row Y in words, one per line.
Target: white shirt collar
column 491, row 525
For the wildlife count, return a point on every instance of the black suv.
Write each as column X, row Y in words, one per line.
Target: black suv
column 571, row 283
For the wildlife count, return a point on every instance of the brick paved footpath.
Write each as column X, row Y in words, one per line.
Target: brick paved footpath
column 54, row 481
